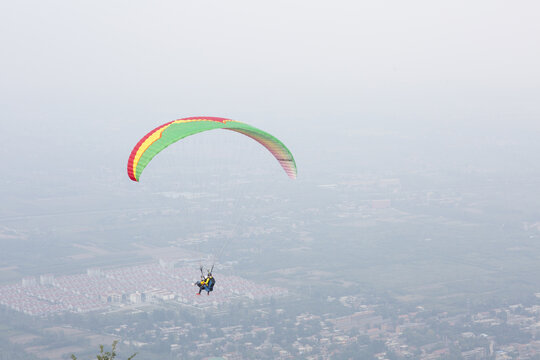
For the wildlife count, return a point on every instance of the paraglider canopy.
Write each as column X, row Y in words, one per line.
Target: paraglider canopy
column 162, row 136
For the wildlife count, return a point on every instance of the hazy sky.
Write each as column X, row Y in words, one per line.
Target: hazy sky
column 106, row 72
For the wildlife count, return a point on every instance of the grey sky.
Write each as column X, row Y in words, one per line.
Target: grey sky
column 81, row 68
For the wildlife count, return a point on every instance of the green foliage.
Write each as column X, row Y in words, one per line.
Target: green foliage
column 107, row 355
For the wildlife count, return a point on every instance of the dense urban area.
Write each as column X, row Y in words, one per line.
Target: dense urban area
column 281, row 329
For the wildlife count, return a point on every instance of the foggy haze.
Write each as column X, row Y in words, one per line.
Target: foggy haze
column 414, row 126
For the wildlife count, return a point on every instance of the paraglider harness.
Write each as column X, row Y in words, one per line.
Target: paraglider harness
column 207, row 283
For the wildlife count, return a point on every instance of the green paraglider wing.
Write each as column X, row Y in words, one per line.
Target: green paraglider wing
column 169, row 133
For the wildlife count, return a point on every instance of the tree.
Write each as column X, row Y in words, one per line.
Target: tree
column 106, row 355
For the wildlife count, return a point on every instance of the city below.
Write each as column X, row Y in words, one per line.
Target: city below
column 106, row 289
